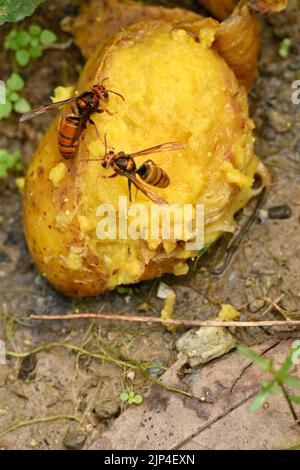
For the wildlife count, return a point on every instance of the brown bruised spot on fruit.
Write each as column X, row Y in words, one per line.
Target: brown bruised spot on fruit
column 222, row 9
column 237, row 41
column 176, row 88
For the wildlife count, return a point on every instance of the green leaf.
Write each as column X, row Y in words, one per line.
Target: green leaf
column 5, row 109
column 15, row 82
column 124, row 396
column 16, row 10
column 35, row 30
column 294, row 399
column 10, row 41
column 22, row 39
column 36, row 52
column 138, row 399
column 22, row 57
column 22, row 106
column 131, row 394
column 12, row 96
column 34, row 43
column 292, row 381
column 9, row 161
column 3, row 155
column 262, row 396
column 284, row 48
column 12, row 34
column 47, row 37
column 3, row 171
column 78, row 68
column 263, row 363
column 131, row 400
column 287, row 364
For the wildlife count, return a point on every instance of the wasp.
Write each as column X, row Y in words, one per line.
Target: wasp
column 124, row 165
column 71, row 126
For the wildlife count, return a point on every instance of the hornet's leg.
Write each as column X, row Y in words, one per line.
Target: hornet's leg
column 129, row 190
column 137, row 190
column 96, row 130
column 110, row 176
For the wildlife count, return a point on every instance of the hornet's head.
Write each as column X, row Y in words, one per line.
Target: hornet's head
column 108, row 159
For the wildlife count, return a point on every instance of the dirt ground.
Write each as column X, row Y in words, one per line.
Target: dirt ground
column 79, row 393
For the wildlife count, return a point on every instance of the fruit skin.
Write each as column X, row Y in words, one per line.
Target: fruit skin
column 175, row 89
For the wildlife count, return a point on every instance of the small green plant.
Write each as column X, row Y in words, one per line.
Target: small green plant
column 281, row 379
column 16, row 10
column 9, row 161
column 131, row 398
column 13, row 101
column 28, row 44
column 284, row 48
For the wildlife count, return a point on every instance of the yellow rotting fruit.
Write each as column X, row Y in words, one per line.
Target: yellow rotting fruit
column 176, row 88
column 100, row 19
column 236, row 39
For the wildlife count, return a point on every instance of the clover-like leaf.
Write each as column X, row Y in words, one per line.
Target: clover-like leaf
column 34, row 42
column 22, row 39
column 15, row 82
column 47, row 37
column 5, row 109
column 22, row 57
column 35, row 52
column 3, row 171
column 124, row 396
column 138, row 399
column 3, row 155
column 22, row 106
column 12, row 96
column 35, row 30
column 10, row 40
column 9, row 161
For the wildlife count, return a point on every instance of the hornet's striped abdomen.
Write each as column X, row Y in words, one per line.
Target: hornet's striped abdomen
column 66, row 132
column 153, row 174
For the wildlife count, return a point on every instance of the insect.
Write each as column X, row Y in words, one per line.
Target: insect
column 150, row 173
column 71, row 126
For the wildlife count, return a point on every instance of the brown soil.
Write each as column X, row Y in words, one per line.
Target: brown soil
column 60, row 381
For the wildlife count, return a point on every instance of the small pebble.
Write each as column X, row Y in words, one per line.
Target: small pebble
column 112, row 335
column 74, row 440
column 4, row 258
column 11, row 239
column 280, row 212
column 278, row 122
column 156, row 368
column 256, row 305
column 164, row 291
column 28, row 365
column 107, row 410
column 131, row 375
